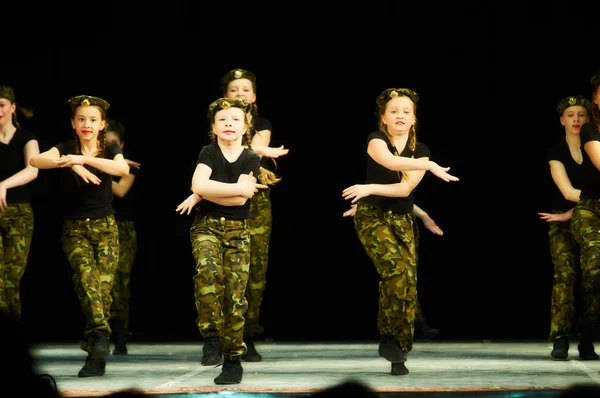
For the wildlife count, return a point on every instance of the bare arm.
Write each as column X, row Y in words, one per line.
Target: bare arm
column 397, row 190
column 552, row 217
column 51, row 159
column 562, row 181
column 592, row 148
column 427, row 221
column 46, row 160
column 116, row 166
column 123, row 186
column 378, row 150
column 28, row 173
column 205, row 187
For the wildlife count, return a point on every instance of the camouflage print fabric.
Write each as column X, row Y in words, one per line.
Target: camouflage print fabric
column 221, row 248
column 260, row 223
column 92, row 248
column 388, row 239
column 585, row 225
column 565, row 258
column 16, row 231
column 419, row 317
column 120, row 288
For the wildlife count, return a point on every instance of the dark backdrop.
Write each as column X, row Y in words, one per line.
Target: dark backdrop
column 489, row 79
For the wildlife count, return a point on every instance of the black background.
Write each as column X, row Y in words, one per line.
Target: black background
column 489, row 77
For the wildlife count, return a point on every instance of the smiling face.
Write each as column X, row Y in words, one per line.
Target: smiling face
column 399, row 115
column 87, row 122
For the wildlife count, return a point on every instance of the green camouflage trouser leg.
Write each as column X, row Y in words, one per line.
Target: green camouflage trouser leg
column 388, row 239
column 585, row 225
column 16, row 231
column 221, row 249
column 565, row 258
column 121, row 285
column 92, row 248
column 260, row 223
column 419, row 317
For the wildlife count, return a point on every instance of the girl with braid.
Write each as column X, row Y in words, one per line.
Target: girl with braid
column 565, row 158
column 17, row 147
column 585, row 225
column 90, row 236
column 225, row 179
column 396, row 163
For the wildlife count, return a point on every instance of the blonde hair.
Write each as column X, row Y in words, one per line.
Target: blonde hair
column 265, row 176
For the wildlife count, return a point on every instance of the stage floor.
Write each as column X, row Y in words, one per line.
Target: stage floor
column 490, row 369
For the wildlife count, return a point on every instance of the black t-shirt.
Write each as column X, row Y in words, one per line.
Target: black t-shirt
column 378, row 174
column 125, row 206
column 86, row 200
column 224, row 171
column 590, row 184
column 260, row 124
column 560, row 152
column 12, row 160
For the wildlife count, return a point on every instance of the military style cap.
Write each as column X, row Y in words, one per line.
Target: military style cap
column 235, row 74
column 88, row 100
column 572, row 101
column 391, row 93
column 226, row 103
column 595, row 80
column 8, row 93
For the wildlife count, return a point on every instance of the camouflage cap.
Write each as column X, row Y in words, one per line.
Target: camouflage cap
column 572, row 101
column 8, row 93
column 595, row 80
column 235, row 74
column 391, row 93
column 226, row 103
column 88, row 100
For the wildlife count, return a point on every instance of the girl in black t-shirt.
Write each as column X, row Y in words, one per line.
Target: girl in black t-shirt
column 565, row 159
column 225, row 178
column 396, row 163
column 17, row 147
column 90, row 237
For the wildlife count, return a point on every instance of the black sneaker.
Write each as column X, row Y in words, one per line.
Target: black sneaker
column 100, row 346
column 92, row 367
column 586, row 351
column 399, row 369
column 390, row 349
column 560, row 349
column 251, row 355
column 211, row 351
column 231, row 373
column 119, row 336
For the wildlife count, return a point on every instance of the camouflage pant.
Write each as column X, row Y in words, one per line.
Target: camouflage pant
column 260, row 236
column 419, row 317
column 565, row 258
column 92, row 248
column 585, row 225
column 221, row 248
column 388, row 239
column 120, row 289
column 16, row 231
